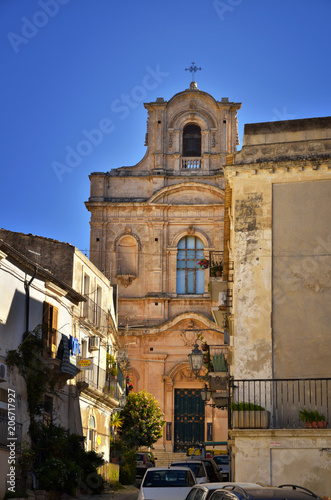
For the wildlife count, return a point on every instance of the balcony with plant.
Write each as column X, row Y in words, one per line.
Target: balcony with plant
column 280, row 403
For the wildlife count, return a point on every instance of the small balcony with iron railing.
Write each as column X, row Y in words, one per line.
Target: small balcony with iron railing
column 280, row 403
column 216, row 362
column 216, row 265
column 99, row 383
column 94, row 314
column 220, row 293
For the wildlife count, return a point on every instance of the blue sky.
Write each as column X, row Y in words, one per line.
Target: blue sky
column 70, row 67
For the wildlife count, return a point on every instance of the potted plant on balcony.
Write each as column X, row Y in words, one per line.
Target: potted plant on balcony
column 216, row 268
column 313, row 418
column 249, row 416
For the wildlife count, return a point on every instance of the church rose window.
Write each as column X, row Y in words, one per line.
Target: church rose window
column 190, row 277
column 192, row 140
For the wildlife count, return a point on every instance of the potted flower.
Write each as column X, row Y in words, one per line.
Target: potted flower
column 203, row 263
column 216, row 268
column 204, row 346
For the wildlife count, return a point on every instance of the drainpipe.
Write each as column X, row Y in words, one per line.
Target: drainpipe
column 27, row 299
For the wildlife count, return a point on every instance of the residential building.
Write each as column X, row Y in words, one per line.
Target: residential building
column 151, row 224
column 99, row 384
column 31, row 296
column 277, row 236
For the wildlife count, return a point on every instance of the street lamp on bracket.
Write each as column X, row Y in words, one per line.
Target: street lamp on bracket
column 205, row 394
column 196, row 359
column 122, row 401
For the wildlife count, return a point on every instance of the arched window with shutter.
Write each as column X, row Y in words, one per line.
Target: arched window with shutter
column 91, row 434
column 190, row 277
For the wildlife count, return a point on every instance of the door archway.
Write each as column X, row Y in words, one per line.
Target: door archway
column 189, row 416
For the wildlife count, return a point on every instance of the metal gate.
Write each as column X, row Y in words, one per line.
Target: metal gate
column 189, row 419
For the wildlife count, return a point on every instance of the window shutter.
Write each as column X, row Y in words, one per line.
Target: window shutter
column 54, row 328
column 47, row 325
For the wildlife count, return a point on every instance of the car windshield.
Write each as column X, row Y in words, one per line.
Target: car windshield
column 221, row 459
column 167, row 479
column 196, row 468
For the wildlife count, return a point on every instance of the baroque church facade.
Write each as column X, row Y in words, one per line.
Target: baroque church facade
column 151, row 224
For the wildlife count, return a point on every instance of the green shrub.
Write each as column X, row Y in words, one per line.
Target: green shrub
column 311, row 416
column 246, row 407
column 128, row 467
column 53, row 474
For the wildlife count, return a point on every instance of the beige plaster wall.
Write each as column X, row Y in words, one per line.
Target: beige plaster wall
column 280, row 248
column 279, row 242
column 283, row 457
column 301, row 278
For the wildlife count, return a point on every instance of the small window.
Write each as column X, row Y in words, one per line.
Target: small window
column 86, row 291
column 91, row 434
column 98, row 305
column 192, row 140
column 84, row 348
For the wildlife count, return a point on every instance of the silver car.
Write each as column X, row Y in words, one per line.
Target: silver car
column 204, row 491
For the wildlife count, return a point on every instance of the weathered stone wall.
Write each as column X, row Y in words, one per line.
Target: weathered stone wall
column 298, row 457
column 279, row 240
column 280, row 212
column 53, row 255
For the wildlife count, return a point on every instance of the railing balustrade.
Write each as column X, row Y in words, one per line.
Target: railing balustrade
column 216, row 263
column 283, row 399
column 191, row 163
column 94, row 313
column 98, row 379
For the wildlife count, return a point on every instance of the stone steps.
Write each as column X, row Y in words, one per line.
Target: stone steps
column 164, row 458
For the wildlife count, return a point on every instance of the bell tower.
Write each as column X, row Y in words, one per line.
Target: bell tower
column 151, row 225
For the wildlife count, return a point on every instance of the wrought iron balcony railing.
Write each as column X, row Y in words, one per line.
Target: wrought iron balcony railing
column 95, row 314
column 215, row 264
column 281, row 401
column 98, row 379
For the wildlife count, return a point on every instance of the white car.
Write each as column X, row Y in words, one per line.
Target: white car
column 166, row 483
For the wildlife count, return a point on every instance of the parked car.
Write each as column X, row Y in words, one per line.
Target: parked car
column 214, row 475
column 145, row 460
column 197, row 467
column 211, row 470
column 204, row 491
column 286, row 492
column 166, row 483
column 223, row 465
